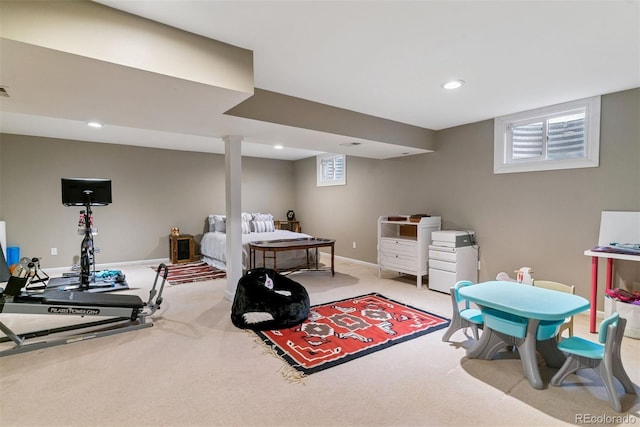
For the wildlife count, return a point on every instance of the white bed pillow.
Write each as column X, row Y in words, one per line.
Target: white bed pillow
column 220, row 223
column 262, row 217
column 262, row 226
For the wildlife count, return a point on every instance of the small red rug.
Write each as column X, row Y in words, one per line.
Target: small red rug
column 193, row 272
column 340, row 331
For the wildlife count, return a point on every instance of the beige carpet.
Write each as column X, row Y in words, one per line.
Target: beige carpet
column 194, row 368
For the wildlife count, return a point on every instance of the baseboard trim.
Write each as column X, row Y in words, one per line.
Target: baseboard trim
column 115, row 265
column 351, row 260
column 357, row 261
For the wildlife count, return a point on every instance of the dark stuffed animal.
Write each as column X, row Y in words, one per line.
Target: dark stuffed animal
column 265, row 300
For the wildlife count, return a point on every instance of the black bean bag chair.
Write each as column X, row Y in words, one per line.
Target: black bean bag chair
column 265, row 300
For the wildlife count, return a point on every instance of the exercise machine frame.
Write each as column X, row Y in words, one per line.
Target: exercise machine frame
column 124, row 313
column 86, row 192
column 87, row 250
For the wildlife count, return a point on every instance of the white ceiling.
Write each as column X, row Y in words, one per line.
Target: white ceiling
column 382, row 58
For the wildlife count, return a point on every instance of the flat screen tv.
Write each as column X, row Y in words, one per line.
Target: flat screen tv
column 86, row 191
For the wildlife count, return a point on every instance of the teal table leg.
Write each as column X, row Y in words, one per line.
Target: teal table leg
column 489, row 343
column 553, row 357
column 527, row 350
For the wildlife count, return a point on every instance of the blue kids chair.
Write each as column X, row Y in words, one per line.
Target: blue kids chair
column 604, row 358
column 463, row 315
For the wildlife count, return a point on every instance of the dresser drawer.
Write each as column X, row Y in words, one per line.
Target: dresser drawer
column 442, row 265
column 450, row 256
column 400, row 261
column 398, row 246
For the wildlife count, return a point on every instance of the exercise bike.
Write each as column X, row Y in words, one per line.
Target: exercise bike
column 88, row 278
column 87, row 250
column 88, row 192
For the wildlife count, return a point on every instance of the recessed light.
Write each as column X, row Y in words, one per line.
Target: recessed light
column 453, row 84
column 278, row 146
column 94, row 125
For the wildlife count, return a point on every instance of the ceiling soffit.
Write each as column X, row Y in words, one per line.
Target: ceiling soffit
column 168, row 80
column 291, row 111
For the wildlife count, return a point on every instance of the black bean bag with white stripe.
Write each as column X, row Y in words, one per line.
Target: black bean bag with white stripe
column 266, row 300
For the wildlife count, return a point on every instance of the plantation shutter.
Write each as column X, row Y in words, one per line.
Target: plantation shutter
column 527, row 141
column 557, row 138
column 566, row 137
column 333, row 169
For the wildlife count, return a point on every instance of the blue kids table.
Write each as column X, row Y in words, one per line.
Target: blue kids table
column 523, row 316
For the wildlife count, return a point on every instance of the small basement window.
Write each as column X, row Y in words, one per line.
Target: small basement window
column 563, row 136
column 332, row 169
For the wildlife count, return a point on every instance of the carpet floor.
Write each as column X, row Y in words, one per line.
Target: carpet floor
column 194, row 368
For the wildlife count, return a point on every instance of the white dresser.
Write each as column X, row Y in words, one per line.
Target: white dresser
column 403, row 245
column 453, row 256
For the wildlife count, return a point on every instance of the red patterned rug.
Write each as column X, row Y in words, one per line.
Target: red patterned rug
column 344, row 330
column 193, row 272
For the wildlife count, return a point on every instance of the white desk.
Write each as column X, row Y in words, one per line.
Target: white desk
column 594, row 278
column 615, row 226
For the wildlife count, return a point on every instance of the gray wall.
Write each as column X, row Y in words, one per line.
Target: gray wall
column 153, row 190
column 544, row 220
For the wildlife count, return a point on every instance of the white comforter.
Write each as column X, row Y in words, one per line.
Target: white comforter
column 214, row 248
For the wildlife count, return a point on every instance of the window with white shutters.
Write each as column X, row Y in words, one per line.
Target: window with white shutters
column 563, row 136
column 332, row 169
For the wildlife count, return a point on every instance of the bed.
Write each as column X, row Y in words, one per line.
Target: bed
column 255, row 227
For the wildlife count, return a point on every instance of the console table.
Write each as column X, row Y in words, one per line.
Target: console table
column 275, row 246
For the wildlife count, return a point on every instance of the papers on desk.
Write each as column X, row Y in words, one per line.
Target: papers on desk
column 626, row 245
column 617, row 249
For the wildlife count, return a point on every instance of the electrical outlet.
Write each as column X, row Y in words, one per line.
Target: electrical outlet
column 54, row 251
column 354, row 245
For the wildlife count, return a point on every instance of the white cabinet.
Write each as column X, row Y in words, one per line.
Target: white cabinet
column 403, row 244
column 447, row 266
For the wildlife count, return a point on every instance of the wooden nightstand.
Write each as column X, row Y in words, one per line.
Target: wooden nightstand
column 182, row 248
column 288, row 225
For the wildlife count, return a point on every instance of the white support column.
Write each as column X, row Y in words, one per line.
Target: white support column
column 233, row 198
